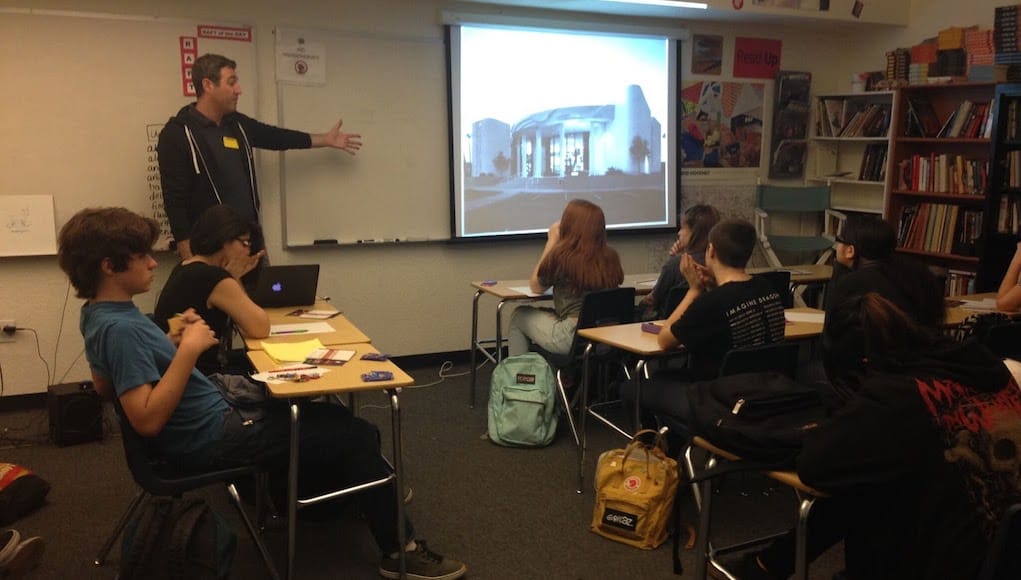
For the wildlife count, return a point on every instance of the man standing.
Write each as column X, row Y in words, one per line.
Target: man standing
column 205, row 151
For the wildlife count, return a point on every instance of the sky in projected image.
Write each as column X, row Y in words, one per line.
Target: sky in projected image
column 509, row 74
column 547, row 116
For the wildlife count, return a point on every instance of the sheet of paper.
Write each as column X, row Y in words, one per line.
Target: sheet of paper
column 289, row 372
column 528, row 291
column 816, row 317
column 646, row 283
column 984, row 304
column 300, row 328
column 290, row 351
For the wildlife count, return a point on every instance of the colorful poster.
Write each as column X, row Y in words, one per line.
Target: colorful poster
column 721, row 125
column 706, row 54
column 757, row 58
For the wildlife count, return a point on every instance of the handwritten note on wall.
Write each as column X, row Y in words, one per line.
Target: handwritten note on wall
column 27, row 226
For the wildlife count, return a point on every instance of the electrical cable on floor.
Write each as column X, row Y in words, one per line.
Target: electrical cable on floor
column 443, row 374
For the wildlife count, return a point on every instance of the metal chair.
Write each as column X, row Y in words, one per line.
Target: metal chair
column 772, row 200
column 1003, row 561
column 157, row 477
column 598, row 308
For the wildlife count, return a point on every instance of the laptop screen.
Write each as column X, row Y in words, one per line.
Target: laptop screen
column 293, row 285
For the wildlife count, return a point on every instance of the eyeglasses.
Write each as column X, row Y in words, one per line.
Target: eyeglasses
column 245, row 242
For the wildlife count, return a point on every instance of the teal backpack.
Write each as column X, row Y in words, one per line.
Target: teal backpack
column 522, row 402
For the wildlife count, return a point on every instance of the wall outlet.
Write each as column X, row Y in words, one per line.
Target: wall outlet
column 6, row 337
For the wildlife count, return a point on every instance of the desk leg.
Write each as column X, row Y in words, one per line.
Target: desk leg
column 474, row 346
column 640, row 370
column 801, row 549
column 499, row 331
column 704, row 516
column 292, row 490
column 398, row 459
column 583, row 413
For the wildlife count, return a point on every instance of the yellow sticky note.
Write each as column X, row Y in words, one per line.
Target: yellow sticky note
column 230, row 143
column 290, row 351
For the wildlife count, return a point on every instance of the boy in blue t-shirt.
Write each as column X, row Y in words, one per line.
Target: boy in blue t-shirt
column 107, row 254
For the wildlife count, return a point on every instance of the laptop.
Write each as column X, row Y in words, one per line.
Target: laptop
column 293, row 285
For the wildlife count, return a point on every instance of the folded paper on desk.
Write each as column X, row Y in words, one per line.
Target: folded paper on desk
column 301, row 328
column 984, row 304
column 329, row 356
column 816, row 317
column 528, row 291
column 291, row 351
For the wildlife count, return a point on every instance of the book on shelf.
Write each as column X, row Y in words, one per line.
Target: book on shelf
column 939, row 228
column 926, row 117
column 958, row 282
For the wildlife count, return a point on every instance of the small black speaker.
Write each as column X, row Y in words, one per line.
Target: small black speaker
column 76, row 413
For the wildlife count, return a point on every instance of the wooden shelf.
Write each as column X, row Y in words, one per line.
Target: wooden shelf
column 942, row 195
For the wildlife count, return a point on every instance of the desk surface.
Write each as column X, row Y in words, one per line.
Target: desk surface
column 802, row 273
column 341, row 379
column 344, row 331
column 504, row 289
column 957, row 314
column 631, row 338
column 786, row 477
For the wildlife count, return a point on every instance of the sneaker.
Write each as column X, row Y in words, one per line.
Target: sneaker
column 423, row 564
column 25, row 558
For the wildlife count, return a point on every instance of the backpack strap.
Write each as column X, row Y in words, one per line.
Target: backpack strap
column 144, row 536
column 185, row 522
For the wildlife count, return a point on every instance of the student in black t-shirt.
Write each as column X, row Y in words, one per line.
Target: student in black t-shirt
column 741, row 310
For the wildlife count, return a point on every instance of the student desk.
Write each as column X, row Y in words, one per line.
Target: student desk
column 630, row 338
column 341, row 379
column 801, row 275
column 345, row 332
column 505, row 291
column 705, row 554
column 957, row 314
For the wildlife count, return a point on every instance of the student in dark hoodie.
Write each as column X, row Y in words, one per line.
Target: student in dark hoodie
column 915, row 462
column 205, row 151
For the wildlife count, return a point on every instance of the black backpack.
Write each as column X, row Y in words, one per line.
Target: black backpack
column 760, row 417
column 177, row 539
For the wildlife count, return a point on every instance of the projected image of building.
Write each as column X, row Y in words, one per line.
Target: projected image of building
column 586, row 140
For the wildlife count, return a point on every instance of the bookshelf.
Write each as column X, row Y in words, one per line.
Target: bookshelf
column 1002, row 229
column 938, row 172
column 849, row 146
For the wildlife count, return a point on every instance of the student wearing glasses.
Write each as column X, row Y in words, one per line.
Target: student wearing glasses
column 210, row 283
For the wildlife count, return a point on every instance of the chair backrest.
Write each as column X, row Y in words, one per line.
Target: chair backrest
column 781, row 357
column 1004, row 340
column 673, row 298
column 780, row 280
column 1003, row 561
column 793, row 199
column 603, row 308
column 158, row 477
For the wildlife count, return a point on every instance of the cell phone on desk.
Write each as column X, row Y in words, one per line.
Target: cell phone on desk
column 652, row 327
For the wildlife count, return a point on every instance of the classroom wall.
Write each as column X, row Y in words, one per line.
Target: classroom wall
column 412, row 299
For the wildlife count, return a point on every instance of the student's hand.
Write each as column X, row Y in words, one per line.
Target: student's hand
column 676, row 248
column 197, row 337
column 178, row 323
column 238, row 266
column 347, row 142
column 1017, row 252
column 698, row 276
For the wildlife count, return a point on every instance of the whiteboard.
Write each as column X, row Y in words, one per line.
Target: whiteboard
column 88, row 95
column 391, row 90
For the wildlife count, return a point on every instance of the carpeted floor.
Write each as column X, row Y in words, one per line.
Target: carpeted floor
column 508, row 513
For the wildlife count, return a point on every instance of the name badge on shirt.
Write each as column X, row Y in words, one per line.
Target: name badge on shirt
column 230, row 143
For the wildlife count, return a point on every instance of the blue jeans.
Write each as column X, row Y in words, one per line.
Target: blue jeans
column 335, row 450
column 540, row 326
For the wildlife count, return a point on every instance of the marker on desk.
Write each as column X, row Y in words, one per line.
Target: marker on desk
column 289, row 332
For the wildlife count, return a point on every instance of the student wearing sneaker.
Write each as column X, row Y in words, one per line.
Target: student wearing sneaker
column 107, row 255
column 19, row 557
column 914, row 463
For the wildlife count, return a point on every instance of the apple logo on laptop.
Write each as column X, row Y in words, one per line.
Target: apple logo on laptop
column 276, row 287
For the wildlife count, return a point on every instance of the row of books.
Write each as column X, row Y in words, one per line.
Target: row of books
column 873, row 163
column 958, row 282
column 1012, row 169
column 1012, row 129
column 969, row 120
column 1005, row 22
column 852, row 118
column 940, row 228
column 1008, row 219
column 943, row 173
